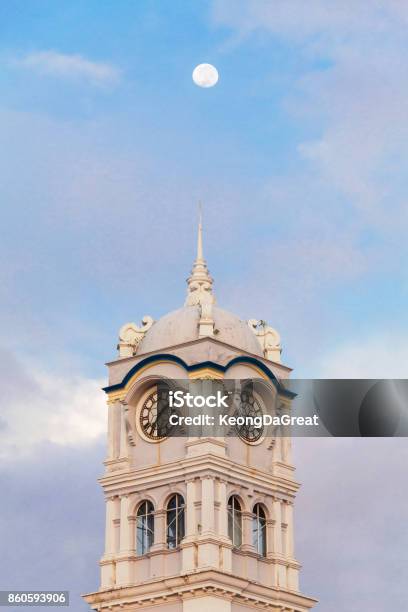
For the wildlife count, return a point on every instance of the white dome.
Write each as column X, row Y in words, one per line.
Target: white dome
column 182, row 326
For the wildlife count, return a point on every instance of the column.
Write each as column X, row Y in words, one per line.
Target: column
column 286, row 450
column 124, row 538
column 189, row 543
column 111, row 428
column 207, row 505
column 123, row 451
column 276, row 447
column 116, row 429
column 124, row 563
column 277, row 532
column 280, row 567
column 116, row 524
column 157, row 558
column 208, row 552
column 109, row 526
column 190, row 509
column 107, row 563
column 223, row 517
column 159, row 530
column 293, row 567
column 290, row 531
column 270, row 534
column 226, row 544
column 247, row 544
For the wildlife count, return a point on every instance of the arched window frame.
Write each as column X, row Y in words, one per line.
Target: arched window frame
column 235, row 521
column 144, row 527
column 175, row 521
column 259, row 530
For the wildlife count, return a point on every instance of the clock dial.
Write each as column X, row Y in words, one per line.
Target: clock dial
column 154, row 415
column 249, row 407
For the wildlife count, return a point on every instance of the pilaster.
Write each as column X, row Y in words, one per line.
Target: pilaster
column 189, row 545
column 126, row 547
column 107, row 562
column 159, row 543
column 247, row 545
column 207, row 506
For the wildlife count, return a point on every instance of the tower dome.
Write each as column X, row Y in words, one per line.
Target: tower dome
column 199, row 318
column 183, row 325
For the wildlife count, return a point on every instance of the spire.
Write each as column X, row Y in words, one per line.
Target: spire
column 199, row 283
column 200, row 233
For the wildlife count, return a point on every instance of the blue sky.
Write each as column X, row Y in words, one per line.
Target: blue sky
column 299, row 155
column 108, row 145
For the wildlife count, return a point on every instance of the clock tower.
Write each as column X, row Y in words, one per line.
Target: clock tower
column 196, row 523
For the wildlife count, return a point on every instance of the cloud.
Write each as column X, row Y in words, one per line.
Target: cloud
column 53, row 504
column 41, row 406
column 73, row 66
column 348, row 518
column 383, row 355
column 349, row 532
column 351, row 90
column 296, row 20
column 342, row 204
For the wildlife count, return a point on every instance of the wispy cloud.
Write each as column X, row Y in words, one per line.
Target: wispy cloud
column 339, row 476
column 345, row 196
column 41, row 406
column 355, row 94
column 383, row 355
column 73, row 66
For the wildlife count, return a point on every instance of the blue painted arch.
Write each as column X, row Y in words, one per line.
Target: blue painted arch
column 196, row 366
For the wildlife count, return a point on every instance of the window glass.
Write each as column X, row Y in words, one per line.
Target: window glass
column 175, row 521
column 144, row 527
column 235, row 521
column 259, row 530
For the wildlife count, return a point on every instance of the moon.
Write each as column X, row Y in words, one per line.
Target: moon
column 205, row 75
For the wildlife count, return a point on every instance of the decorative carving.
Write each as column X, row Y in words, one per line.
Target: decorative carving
column 268, row 337
column 199, row 289
column 127, row 419
column 130, row 336
column 206, row 322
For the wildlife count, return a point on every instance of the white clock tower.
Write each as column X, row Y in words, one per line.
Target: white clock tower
column 195, row 524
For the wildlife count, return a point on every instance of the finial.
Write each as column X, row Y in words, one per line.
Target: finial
column 199, row 283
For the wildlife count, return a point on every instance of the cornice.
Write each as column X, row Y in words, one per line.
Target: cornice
column 254, row 361
column 209, row 339
column 200, row 584
column 194, row 467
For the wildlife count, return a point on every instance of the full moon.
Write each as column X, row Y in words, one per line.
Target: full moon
column 205, row 75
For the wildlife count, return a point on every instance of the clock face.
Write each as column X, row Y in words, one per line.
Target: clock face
column 250, row 407
column 154, row 415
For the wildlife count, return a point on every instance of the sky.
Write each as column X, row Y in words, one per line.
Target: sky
column 299, row 155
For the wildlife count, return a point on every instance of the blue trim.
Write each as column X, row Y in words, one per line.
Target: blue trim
column 198, row 366
column 141, row 365
column 255, row 362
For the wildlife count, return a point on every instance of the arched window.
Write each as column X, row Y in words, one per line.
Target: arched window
column 144, row 527
column 175, row 521
column 235, row 521
column 259, row 530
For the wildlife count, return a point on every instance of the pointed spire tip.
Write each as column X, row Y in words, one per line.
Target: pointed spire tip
column 199, row 283
column 200, row 256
